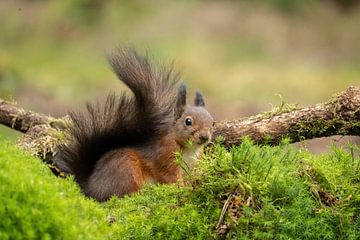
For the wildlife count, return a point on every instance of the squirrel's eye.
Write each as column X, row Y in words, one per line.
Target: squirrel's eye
column 188, row 121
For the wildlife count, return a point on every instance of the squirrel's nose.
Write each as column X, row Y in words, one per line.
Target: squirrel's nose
column 204, row 138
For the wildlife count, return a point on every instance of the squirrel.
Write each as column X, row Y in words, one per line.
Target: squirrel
column 118, row 146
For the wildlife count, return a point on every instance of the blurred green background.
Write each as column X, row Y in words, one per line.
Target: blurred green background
column 245, row 56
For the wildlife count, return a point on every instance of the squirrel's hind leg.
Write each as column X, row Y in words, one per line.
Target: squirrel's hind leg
column 119, row 172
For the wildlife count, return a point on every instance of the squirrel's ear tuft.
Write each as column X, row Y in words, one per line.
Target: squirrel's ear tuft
column 181, row 101
column 199, row 100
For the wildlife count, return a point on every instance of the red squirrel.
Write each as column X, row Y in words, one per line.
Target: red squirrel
column 118, row 146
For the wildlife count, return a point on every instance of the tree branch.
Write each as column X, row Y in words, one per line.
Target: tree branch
column 18, row 118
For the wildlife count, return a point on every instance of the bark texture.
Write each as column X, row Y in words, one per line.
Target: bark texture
column 23, row 120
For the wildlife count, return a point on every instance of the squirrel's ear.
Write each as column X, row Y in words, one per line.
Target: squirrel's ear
column 199, row 100
column 181, row 101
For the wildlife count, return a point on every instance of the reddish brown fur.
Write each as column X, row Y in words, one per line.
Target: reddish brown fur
column 126, row 170
column 164, row 169
column 117, row 173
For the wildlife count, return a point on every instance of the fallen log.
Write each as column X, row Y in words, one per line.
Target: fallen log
column 339, row 116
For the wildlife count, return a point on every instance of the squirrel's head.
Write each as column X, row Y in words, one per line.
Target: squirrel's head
column 193, row 123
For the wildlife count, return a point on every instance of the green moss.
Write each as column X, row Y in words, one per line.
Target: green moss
column 312, row 128
column 34, row 204
column 268, row 193
column 160, row 212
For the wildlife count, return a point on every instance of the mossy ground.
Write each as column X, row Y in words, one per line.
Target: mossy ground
column 269, row 193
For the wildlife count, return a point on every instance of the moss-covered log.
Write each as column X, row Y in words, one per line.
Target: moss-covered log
column 339, row 116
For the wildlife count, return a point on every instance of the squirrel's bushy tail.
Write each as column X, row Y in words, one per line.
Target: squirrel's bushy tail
column 122, row 121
